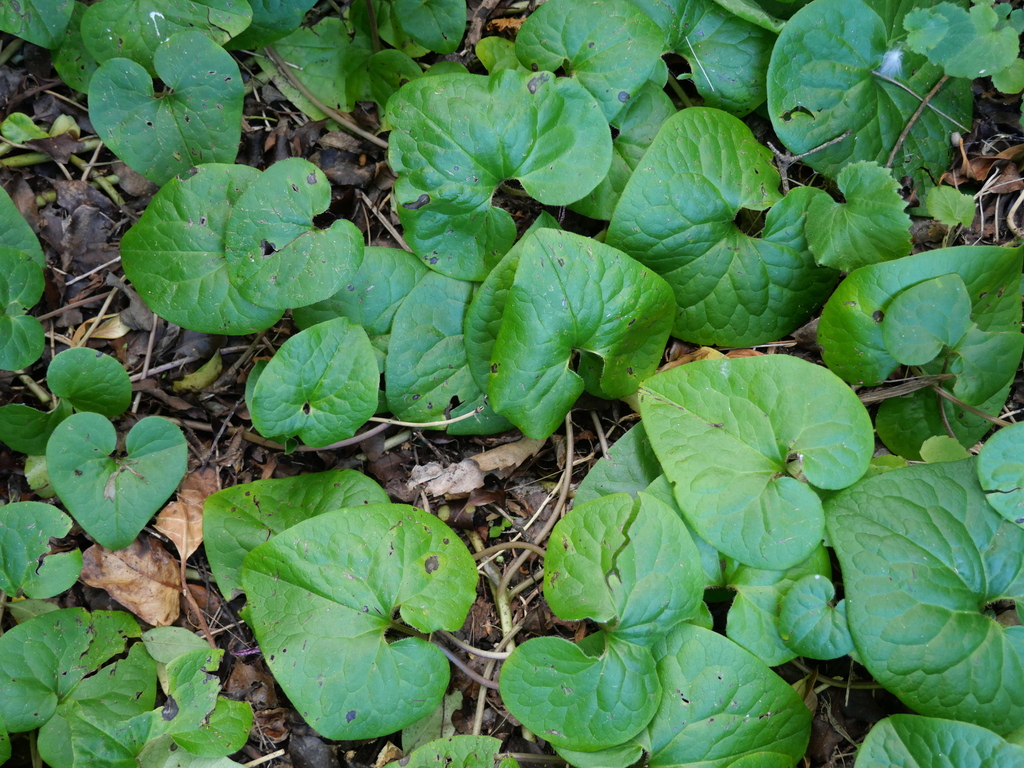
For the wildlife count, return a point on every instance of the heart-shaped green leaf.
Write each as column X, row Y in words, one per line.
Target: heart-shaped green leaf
column 135, row 29
column 239, row 519
column 329, row 586
column 850, row 331
column 734, row 436
column 72, row 60
column 950, row 207
column 922, row 554
column 581, row 699
column 90, row 381
column 926, row 318
column 40, row 22
column 984, row 362
column 629, row 565
column 460, row 752
column 42, row 660
column 21, row 285
column 276, row 256
column 457, row 137
column 26, row 563
column 831, row 77
column 628, row 467
column 722, row 706
column 437, row 25
column 197, row 121
column 871, row 226
column 113, row 498
column 174, row 255
column 1001, row 471
column 574, row 294
column 728, row 55
column 915, row 740
column 427, row 367
column 611, row 53
column 677, row 216
column 271, row 20
column 321, row 385
column 811, row 623
column 27, row 430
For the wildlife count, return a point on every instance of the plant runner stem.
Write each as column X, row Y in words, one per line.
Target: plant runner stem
column 480, row 555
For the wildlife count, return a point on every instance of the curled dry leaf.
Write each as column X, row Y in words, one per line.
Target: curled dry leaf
column 181, row 521
column 452, row 480
column 143, row 578
column 508, row 456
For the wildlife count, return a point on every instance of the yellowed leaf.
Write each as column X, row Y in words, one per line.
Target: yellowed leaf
column 110, row 328
column 143, row 578
column 181, row 521
column 202, row 378
column 508, row 456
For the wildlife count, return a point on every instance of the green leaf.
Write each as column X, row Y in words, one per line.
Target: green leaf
column 728, row 55
column 165, row 644
column 460, row 752
column 927, row 318
column 619, row 756
column 321, row 385
column 850, row 331
column 811, row 623
column 40, row 22
column 239, row 519
column 426, row 366
column 984, row 363
column 734, row 436
column 136, row 29
column 21, row 285
column 26, row 430
column 577, row 699
column 19, row 127
column 950, row 207
column 541, row 130
column 437, row 725
column 90, row 381
column 966, row 44
column 1001, row 471
column 5, row 743
column 329, row 586
column 721, row 706
column 823, row 84
column 871, row 226
column 113, row 498
column 26, row 563
column 437, row 25
column 677, row 216
column 276, row 256
column 42, row 660
column 574, row 294
column 497, row 53
column 637, row 125
column 1011, row 79
column 387, row 72
column 72, row 59
column 198, row 120
column 611, row 53
column 942, row 448
column 174, row 255
column 914, row 740
column 271, row 20
column 754, row 13
column 631, row 566
column 16, row 233
column 753, row 620
column 628, row 467
column 922, row 553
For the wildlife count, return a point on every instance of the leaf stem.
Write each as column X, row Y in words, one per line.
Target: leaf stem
column 371, row 14
column 976, row 411
column 913, row 119
column 509, row 545
column 440, row 423
column 499, row 655
column 835, row 682
column 469, row 672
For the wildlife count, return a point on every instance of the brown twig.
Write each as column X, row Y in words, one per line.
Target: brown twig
column 913, row 93
column 976, row 411
column 913, row 119
column 784, row 160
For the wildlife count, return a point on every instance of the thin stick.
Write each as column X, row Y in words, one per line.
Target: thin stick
column 264, row 759
column 441, row 423
column 92, row 162
column 832, row 681
column 383, row 220
column 372, row 18
column 339, row 118
column 164, row 368
column 154, row 325
column 913, row 119
column 976, row 411
column 93, row 271
column 99, row 318
column 600, row 433
column 475, row 651
column 911, row 91
column 703, row 72
column 509, row 545
column 906, row 388
column 41, row 394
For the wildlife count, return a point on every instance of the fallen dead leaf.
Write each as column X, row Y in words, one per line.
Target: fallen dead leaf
column 143, row 578
column 454, row 479
column 388, row 754
column 703, row 353
column 738, row 353
column 203, row 377
column 508, row 456
column 111, row 328
column 253, row 683
column 181, row 521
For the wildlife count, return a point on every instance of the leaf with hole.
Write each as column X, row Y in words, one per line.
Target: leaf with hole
column 677, row 215
column 457, row 137
column 1001, row 471
column 871, row 226
column 827, row 81
column 90, row 381
column 239, row 519
column 922, row 554
column 569, row 295
column 112, row 498
column 198, row 120
column 328, row 588
column 734, row 436
column 174, row 255
column 40, row 22
column 276, row 256
column 321, row 385
column 26, row 563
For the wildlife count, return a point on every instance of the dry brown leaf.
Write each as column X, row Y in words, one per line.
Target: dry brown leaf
column 181, row 521
column 455, row 479
column 738, row 353
column 704, row 353
column 389, row 753
column 508, row 456
column 143, row 578
column 111, row 328
column 253, row 683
